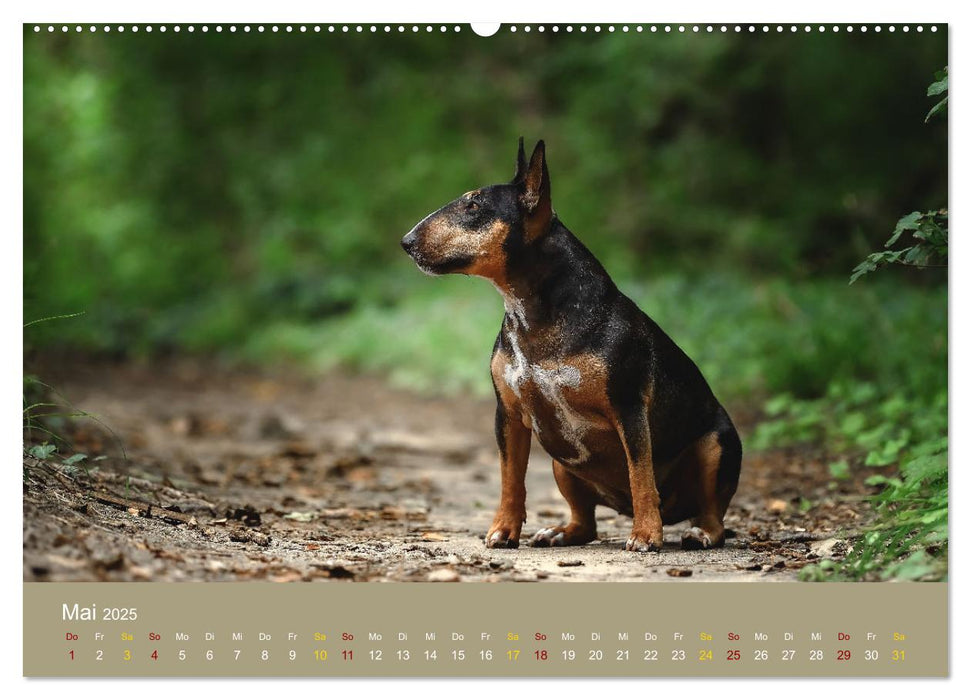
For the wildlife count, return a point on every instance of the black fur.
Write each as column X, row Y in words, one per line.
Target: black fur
column 570, row 286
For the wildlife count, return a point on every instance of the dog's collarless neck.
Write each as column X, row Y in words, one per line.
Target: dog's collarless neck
column 552, row 280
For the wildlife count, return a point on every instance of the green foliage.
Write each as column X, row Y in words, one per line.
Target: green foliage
column 814, row 346
column 899, row 420
column 938, row 87
column 929, row 248
column 43, row 451
column 876, row 424
column 186, row 192
column 840, row 470
column 929, row 230
column 909, row 538
column 46, row 410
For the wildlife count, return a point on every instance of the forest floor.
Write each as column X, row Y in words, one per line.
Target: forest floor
column 256, row 475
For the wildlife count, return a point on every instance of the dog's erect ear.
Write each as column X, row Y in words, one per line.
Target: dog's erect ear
column 520, row 164
column 535, row 194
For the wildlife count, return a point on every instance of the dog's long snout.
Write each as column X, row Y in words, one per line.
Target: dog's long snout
column 408, row 242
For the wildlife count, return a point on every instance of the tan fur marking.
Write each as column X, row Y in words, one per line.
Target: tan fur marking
column 711, row 511
column 511, row 513
column 647, row 532
column 490, row 262
column 444, row 240
column 582, row 499
column 709, row 457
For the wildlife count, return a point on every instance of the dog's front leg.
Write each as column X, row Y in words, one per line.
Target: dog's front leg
column 513, row 439
column 647, row 533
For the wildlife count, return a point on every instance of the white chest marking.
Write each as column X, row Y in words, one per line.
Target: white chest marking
column 514, row 307
column 573, row 426
column 550, row 383
column 516, row 371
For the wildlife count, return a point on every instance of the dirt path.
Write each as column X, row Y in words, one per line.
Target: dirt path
column 269, row 477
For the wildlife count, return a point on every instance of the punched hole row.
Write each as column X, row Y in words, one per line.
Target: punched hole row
column 414, row 28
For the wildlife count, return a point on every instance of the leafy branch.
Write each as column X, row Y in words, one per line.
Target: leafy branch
column 928, row 232
column 939, row 87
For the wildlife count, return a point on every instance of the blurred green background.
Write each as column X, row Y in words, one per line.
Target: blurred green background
column 243, row 196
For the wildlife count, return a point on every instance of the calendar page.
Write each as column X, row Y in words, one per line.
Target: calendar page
column 513, row 350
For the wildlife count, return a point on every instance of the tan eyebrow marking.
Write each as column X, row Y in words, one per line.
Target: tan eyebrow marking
column 469, row 194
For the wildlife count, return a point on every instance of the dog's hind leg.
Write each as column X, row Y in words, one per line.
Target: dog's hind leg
column 718, row 457
column 583, row 500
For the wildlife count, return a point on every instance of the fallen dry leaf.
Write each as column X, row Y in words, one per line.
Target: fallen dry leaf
column 300, row 517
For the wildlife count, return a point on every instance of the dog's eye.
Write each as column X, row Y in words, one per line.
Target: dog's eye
column 472, row 205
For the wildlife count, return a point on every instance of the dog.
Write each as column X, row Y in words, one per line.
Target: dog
column 626, row 415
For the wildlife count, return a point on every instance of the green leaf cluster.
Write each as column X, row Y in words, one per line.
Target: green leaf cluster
column 938, row 87
column 927, row 235
column 909, row 538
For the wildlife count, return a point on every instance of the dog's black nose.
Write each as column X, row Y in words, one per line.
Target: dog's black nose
column 408, row 242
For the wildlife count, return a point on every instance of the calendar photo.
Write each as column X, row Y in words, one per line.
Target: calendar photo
column 586, row 304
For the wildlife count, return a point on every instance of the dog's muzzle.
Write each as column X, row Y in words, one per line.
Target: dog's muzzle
column 408, row 242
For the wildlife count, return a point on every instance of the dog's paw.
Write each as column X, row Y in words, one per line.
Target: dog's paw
column 502, row 538
column 561, row 537
column 697, row 538
column 644, row 542
column 549, row 537
column 505, row 530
